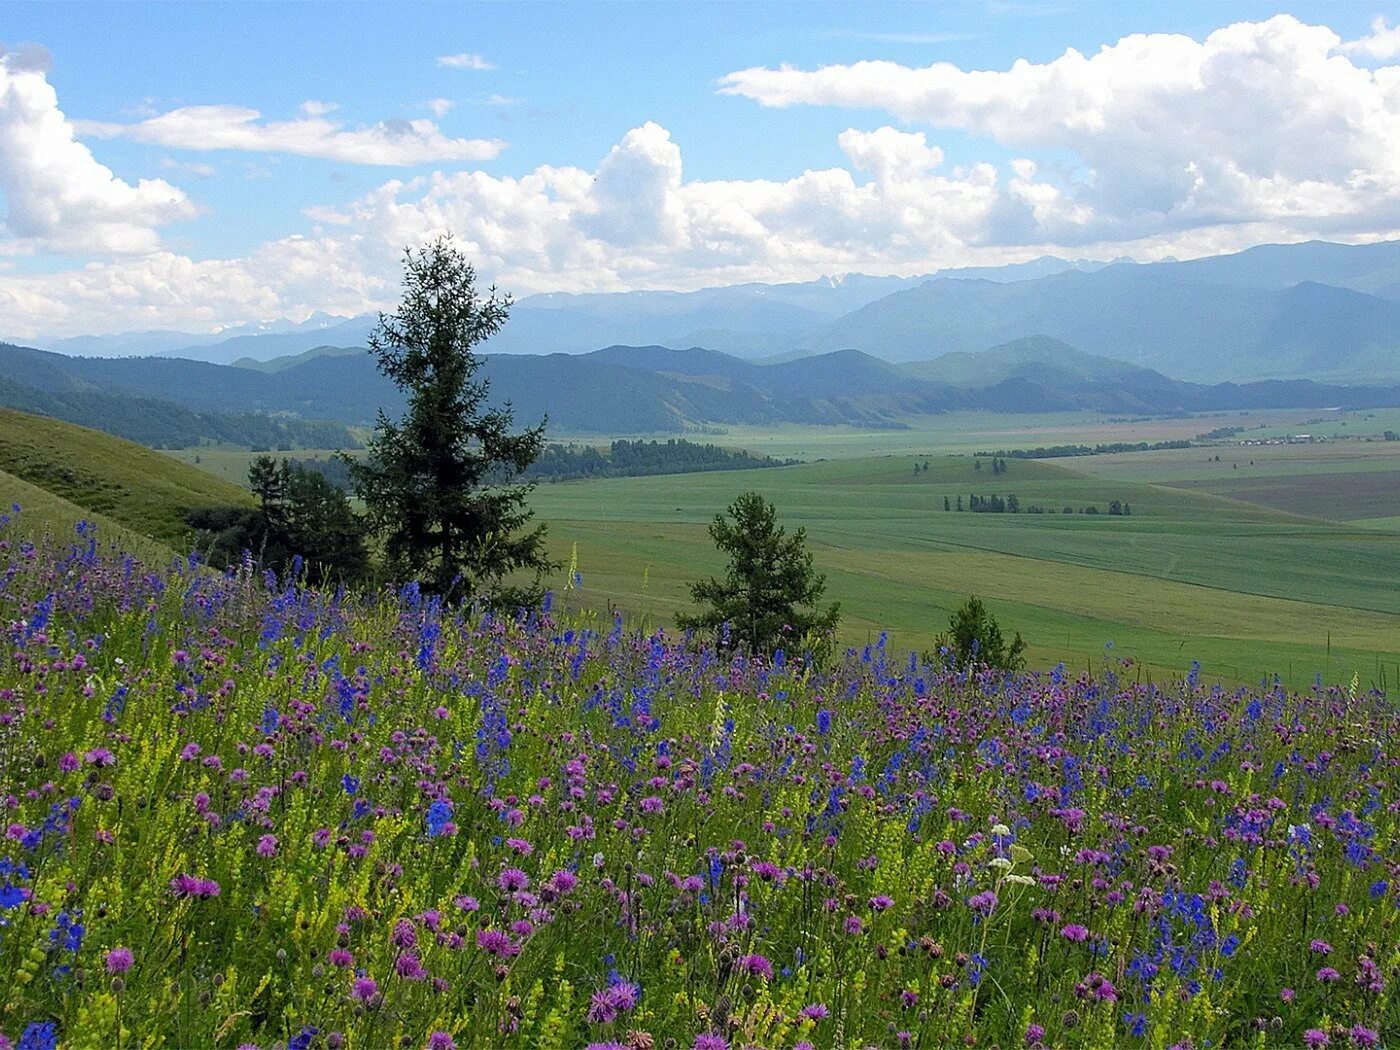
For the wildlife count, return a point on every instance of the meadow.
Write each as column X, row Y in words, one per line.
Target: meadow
column 1247, row 590
column 1275, row 560
column 242, row 812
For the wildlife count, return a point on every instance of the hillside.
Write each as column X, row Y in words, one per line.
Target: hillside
column 620, row 390
column 115, row 396
column 103, row 475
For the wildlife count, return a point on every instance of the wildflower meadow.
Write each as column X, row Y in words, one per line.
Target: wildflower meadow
column 242, row 811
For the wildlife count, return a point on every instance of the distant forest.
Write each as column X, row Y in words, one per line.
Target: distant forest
column 1060, row 451
column 621, row 459
column 163, row 424
column 635, row 459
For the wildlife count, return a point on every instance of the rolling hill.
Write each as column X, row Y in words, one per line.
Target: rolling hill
column 119, row 481
column 114, row 395
column 631, row 390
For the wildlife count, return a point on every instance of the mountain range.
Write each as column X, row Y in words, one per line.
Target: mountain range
column 311, row 399
column 754, row 319
column 1315, row 310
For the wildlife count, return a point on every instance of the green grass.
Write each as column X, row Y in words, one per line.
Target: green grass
column 1245, row 589
column 104, row 477
column 965, row 432
column 44, row 514
column 230, row 463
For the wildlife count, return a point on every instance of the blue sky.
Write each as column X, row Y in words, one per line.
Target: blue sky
column 597, row 146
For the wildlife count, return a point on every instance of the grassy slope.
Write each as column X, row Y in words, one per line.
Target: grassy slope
column 104, row 477
column 44, row 514
column 1190, row 576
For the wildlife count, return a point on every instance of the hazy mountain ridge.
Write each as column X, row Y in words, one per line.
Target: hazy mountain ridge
column 635, row 389
column 1314, row 310
column 580, row 322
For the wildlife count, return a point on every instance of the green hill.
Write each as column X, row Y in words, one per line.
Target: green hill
column 100, row 475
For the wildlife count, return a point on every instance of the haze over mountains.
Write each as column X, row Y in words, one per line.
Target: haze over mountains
column 312, row 398
column 1315, row 310
column 1304, row 325
column 752, row 319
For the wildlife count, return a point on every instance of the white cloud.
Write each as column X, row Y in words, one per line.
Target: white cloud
column 312, row 108
column 57, row 196
column 465, row 60
column 1159, row 145
column 1383, row 43
column 439, row 107
column 631, row 222
column 393, row 142
column 1258, row 122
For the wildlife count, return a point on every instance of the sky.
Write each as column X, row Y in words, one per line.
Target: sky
column 200, row 166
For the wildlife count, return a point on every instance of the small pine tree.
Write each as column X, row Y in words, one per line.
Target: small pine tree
column 439, row 484
column 974, row 637
column 770, row 591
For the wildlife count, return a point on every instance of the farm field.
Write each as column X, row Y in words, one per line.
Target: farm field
column 1247, row 590
column 1280, row 568
column 1345, row 480
column 966, row 432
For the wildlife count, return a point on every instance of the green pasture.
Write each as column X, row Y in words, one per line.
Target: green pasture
column 1285, row 566
column 102, row 475
column 966, row 432
column 1246, row 590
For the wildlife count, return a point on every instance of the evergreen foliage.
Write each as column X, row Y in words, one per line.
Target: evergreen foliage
column 974, row 637
column 440, row 484
column 770, row 593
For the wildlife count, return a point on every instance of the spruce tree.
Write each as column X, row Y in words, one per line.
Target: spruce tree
column 440, row 484
column 770, row 592
column 974, row 637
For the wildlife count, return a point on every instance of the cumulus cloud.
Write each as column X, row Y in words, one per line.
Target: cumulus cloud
column 1157, row 145
column 393, row 142
column 632, row 221
column 1257, row 122
column 439, row 107
column 57, row 195
column 1383, row 43
column 465, row 60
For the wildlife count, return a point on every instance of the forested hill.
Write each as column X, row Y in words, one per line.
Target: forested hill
column 309, row 402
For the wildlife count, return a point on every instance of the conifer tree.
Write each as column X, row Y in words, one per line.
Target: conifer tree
column 439, row 485
column 770, row 591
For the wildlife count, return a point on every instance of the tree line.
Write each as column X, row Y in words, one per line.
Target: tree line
column 1062, row 451
column 1011, row 504
column 642, row 458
